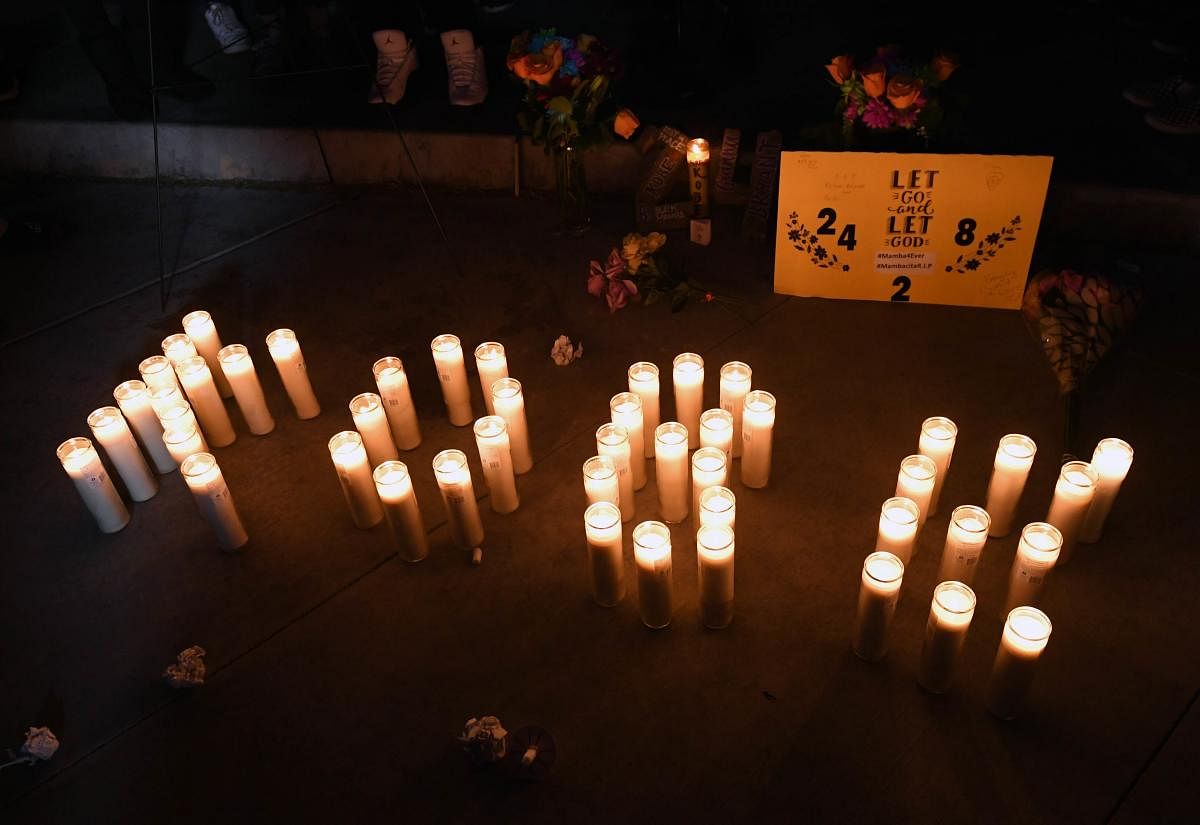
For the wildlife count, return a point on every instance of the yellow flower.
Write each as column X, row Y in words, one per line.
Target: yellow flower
column 636, row 248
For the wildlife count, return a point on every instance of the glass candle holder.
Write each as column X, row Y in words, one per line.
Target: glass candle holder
column 687, row 376
column 163, row 398
column 718, row 507
column 1037, row 553
column 949, row 619
column 758, row 424
column 643, row 380
column 509, row 402
column 82, row 464
column 600, row 480
column 938, row 435
column 1073, row 495
column 714, row 551
column 110, row 430
column 965, row 540
column 671, row 471
column 698, row 165
column 915, row 482
column 492, row 364
column 157, row 371
column 401, row 510
column 898, row 528
column 354, row 474
column 452, row 373
column 652, row 554
column 370, row 420
column 735, row 383
column 491, row 437
column 716, row 430
column 1026, row 633
column 602, row 526
column 612, row 440
column 202, row 330
column 133, row 398
column 205, row 399
column 625, row 409
column 1014, row 458
column 710, row 468
column 882, row 575
column 1111, row 460
column 178, row 346
column 204, row 479
column 238, row 367
column 289, row 360
column 458, row 495
column 178, row 417
column 398, row 405
column 184, row 442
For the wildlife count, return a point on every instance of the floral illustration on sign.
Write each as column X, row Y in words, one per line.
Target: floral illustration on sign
column 804, row 240
column 987, row 248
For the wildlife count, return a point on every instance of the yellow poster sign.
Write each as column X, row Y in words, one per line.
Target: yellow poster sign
column 934, row 229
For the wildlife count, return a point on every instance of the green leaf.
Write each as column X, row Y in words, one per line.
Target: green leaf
column 678, row 302
column 559, row 105
column 652, row 296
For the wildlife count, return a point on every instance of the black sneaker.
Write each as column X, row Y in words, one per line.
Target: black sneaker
column 1157, row 94
column 1182, row 118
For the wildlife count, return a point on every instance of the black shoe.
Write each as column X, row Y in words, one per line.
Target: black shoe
column 270, row 51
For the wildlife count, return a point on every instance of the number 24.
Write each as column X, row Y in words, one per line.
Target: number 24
column 829, row 216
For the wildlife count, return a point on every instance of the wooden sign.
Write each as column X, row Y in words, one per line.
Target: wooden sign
column 937, row 229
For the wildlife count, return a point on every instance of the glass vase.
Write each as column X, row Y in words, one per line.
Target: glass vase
column 571, row 187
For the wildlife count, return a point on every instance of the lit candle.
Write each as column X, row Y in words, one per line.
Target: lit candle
column 452, row 373
column 1112, row 459
column 183, row 442
column 208, row 487
column 915, row 482
column 492, row 364
column 354, row 473
column 687, row 376
column 509, row 403
column 200, row 328
column 612, row 440
column 370, row 420
column 625, row 408
column 716, row 430
column 882, row 575
column 718, row 508
column 110, row 429
column 1037, row 552
column 458, row 494
column 134, row 400
column 177, row 347
column 949, row 618
column 157, row 371
column 714, row 550
column 1014, row 457
column 643, row 380
column 1025, row 636
column 239, row 369
column 671, row 470
column 600, row 480
column 400, row 509
column 710, row 468
column 652, row 553
column 397, row 402
column 82, row 463
column 965, row 539
column 205, row 398
column 289, row 360
column 1073, row 496
column 697, row 161
column 735, row 383
column 602, row 526
column 177, row 416
column 898, row 528
column 163, row 398
column 758, row 423
column 491, row 437
column 938, row 435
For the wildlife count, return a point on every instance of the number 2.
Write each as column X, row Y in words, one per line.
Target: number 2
column 904, row 282
column 830, row 217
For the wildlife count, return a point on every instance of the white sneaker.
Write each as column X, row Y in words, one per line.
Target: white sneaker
column 464, row 65
column 231, row 35
column 396, row 59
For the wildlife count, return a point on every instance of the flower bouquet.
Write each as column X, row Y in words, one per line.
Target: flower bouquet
column 639, row 271
column 888, row 94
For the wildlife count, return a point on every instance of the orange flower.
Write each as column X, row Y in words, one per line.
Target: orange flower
column 903, row 90
column 943, row 65
column 626, row 123
column 840, row 68
column 874, row 80
column 540, row 67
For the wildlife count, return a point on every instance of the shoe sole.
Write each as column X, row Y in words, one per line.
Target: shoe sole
column 1138, row 101
column 1171, row 129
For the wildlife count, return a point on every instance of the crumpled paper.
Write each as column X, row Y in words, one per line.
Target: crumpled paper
column 40, row 744
column 189, row 669
column 563, row 352
column 484, row 739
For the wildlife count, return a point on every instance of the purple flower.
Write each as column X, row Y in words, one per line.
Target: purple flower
column 851, row 110
column 877, row 115
column 908, row 118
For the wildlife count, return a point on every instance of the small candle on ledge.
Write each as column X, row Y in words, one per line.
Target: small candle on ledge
column 965, row 540
column 714, row 551
column 710, row 468
column 718, row 508
column 882, row 575
column 491, row 437
column 625, row 409
column 758, row 424
column 949, row 618
column 134, row 400
column 915, row 482
column 1014, row 458
column 205, row 398
column 652, row 554
column 370, row 420
column 1025, row 636
column 212, row 496
column 458, row 495
column 109, row 428
column 452, row 373
column 898, row 528
column 354, row 474
column 643, row 380
column 177, row 347
column 200, row 328
column 602, row 526
column 1112, row 460
column 509, row 403
column 697, row 161
column 396, row 395
column 289, row 360
column 1037, row 552
column 735, row 383
column 600, row 480
column 716, row 430
column 184, row 442
column 492, row 364
column 612, row 440
column 1073, row 494
column 239, row 369
column 157, row 371
column 671, row 470
column 687, row 377
column 938, row 435
column 82, row 463
column 401, row 511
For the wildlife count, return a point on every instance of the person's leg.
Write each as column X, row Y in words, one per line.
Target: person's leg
column 394, row 27
column 455, row 19
column 110, row 55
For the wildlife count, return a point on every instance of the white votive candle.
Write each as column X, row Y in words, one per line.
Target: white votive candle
column 205, row 398
column 716, row 430
column 1014, row 457
column 687, row 377
column 915, row 482
column 949, row 618
column 965, row 540
column 354, row 474
column 600, row 480
column 492, row 364
column 370, row 420
column 714, row 551
column 652, row 554
column 82, row 463
column 509, row 403
column 882, row 575
column 758, row 424
column 212, row 496
column 239, row 369
column 163, row 398
column 1025, row 636
column 718, row 508
column 458, row 495
column 396, row 395
column 643, row 380
column 177, row 416
column 177, row 347
column 109, row 428
column 625, row 409
column 289, row 360
column 710, row 468
column 184, row 442
column 898, row 528
column 1037, row 553
column 735, row 383
column 1073, row 494
column 612, row 440
column 1111, row 459
column 200, row 328
column 491, row 437
column 401, row 511
column 602, row 526
column 452, row 373
column 938, row 435
column 133, row 398
column 158, row 371
column 671, row 471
